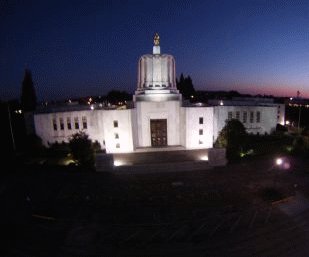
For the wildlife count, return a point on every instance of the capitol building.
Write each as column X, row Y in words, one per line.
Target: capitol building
column 158, row 117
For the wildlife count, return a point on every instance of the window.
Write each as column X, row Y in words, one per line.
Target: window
column 55, row 124
column 115, row 123
column 116, row 135
column 103, row 142
column 230, row 115
column 244, row 117
column 200, row 142
column 76, row 124
column 237, row 115
column 201, row 120
column 117, row 145
column 200, row 132
column 61, row 124
column 258, row 117
column 251, row 117
column 84, row 120
column 69, row 123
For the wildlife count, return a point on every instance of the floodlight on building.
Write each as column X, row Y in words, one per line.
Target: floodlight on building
column 118, row 163
column 204, row 158
column 287, row 122
column 291, row 98
column 221, row 103
column 92, row 107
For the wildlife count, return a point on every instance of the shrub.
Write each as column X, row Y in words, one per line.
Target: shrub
column 59, row 149
column 233, row 137
column 82, row 150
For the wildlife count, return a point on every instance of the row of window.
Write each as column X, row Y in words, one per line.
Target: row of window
column 116, row 135
column 201, row 132
column 76, row 123
column 245, row 116
column 69, row 123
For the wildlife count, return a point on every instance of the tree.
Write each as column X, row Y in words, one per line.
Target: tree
column 82, row 149
column 28, row 96
column 233, row 138
column 185, row 86
column 115, row 96
column 33, row 145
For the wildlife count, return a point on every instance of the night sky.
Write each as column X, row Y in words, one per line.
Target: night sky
column 79, row 48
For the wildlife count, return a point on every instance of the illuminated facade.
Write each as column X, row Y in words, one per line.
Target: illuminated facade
column 158, row 117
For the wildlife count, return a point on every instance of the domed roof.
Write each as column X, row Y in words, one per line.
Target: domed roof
column 156, row 71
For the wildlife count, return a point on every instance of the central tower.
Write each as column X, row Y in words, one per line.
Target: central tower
column 157, row 101
column 156, row 74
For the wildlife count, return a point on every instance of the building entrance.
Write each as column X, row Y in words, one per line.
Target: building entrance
column 158, row 130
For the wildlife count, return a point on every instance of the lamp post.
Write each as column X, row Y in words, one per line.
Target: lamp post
column 299, row 112
column 11, row 128
column 278, row 165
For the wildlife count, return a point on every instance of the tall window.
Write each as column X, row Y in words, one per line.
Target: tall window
column 69, row 123
column 251, row 117
column 230, row 115
column 76, row 124
column 258, row 117
column 200, row 132
column 115, row 123
column 55, row 124
column 116, row 135
column 84, row 119
column 117, row 145
column 237, row 115
column 61, row 124
column 201, row 120
column 244, row 117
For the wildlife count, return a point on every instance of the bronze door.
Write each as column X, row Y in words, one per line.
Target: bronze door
column 158, row 130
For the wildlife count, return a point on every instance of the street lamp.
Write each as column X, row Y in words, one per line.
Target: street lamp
column 279, row 161
column 11, row 128
column 280, row 164
column 299, row 111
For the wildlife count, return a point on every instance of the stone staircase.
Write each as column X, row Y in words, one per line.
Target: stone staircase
column 149, row 162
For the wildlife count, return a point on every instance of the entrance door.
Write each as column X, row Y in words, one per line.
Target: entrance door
column 158, row 130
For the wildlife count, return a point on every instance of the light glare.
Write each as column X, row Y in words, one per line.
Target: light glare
column 117, row 163
column 279, row 161
column 204, row 158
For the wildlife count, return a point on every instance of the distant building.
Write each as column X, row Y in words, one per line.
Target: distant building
column 157, row 117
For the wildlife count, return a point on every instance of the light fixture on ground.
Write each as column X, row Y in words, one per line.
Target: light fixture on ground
column 279, row 161
column 118, row 163
column 204, row 158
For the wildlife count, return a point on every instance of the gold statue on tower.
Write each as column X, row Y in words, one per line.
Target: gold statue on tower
column 156, row 39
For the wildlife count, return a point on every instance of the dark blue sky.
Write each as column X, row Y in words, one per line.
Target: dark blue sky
column 77, row 48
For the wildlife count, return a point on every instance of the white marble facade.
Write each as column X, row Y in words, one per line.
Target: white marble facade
column 158, row 117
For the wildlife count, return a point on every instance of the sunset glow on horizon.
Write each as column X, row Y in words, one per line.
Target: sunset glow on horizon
column 77, row 48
